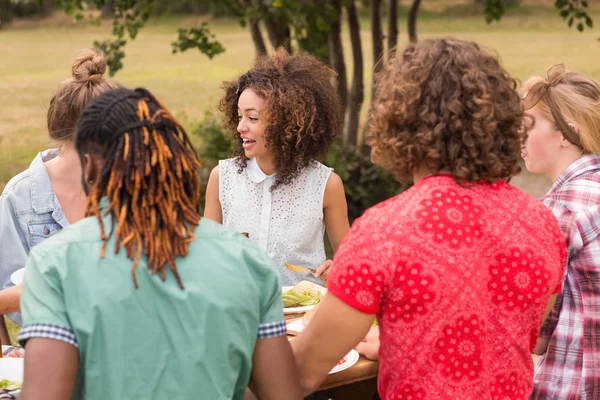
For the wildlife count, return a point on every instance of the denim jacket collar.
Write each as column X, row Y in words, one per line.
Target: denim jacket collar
column 43, row 199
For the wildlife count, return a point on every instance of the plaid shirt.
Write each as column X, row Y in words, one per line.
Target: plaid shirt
column 570, row 368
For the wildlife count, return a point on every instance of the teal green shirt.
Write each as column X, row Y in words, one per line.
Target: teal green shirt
column 158, row 341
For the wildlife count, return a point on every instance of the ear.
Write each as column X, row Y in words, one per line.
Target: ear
column 564, row 142
column 91, row 168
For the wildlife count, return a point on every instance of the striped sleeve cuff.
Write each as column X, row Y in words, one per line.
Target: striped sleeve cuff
column 271, row 329
column 47, row 331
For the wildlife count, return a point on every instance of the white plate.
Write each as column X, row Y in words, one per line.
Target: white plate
column 351, row 359
column 297, row 325
column 12, row 369
column 17, row 276
column 296, row 310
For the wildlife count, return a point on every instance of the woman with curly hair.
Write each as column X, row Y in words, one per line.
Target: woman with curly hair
column 459, row 268
column 285, row 112
column 563, row 143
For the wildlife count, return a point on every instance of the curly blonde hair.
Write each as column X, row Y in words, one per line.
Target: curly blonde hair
column 448, row 106
column 302, row 109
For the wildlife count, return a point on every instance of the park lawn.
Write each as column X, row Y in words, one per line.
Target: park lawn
column 35, row 59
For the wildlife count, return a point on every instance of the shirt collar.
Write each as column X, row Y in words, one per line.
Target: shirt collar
column 43, row 199
column 590, row 162
column 255, row 174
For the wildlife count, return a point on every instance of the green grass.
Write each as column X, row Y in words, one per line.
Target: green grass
column 35, row 59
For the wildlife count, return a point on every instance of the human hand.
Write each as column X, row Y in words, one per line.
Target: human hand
column 369, row 346
column 14, row 352
column 10, row 300
column 323, row 271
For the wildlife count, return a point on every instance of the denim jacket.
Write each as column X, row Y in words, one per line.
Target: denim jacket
column 29, row 214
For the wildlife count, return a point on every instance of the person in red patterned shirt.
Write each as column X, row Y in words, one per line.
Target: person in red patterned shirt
column 459, row 268
column 563, row 143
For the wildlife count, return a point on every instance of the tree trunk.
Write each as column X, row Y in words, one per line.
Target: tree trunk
column 4, row 17
column 277, row 28
column 107, row 11
column 412, row 20
column 336, row 59
column 257, row 37
column 392, row 28
column 357, row 90
column 377, row 37
column 48, row 8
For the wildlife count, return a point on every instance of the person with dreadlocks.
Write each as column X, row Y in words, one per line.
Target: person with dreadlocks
column 285, row 114
column 143, row 299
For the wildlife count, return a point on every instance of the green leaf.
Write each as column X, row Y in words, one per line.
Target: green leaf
column 580, row 27
column 199, row 38
column 113, row 52
column 560, row 3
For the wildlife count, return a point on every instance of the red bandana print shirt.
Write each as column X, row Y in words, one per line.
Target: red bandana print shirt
column 459, row 279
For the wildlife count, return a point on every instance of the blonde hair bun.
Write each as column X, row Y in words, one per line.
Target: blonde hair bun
column 89, row 67
column 73, row 94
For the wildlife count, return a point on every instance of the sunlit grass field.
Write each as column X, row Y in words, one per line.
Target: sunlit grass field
column 33, row 59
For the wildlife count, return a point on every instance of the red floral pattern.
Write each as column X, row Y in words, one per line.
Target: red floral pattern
column 518, row 278
column 459, row 349
column 409, row 392
column 448, row 270
column 451, row 217
column 508, row 387
column 410, row 295
column 365, row 282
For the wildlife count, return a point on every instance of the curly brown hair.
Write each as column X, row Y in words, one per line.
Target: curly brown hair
column 302, row 110
column 448, row 106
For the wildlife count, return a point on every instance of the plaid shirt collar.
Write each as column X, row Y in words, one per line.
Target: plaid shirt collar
column 587, row 163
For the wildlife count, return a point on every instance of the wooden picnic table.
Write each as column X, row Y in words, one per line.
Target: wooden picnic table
column 357, row 382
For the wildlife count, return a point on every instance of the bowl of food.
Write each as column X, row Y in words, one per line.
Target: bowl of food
column 11, row 375
column 302, row 297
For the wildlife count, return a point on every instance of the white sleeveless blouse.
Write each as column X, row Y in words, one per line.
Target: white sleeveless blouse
column 286, row 222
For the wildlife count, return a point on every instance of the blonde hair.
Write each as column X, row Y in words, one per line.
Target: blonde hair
column 73, row 94
column 577, row 98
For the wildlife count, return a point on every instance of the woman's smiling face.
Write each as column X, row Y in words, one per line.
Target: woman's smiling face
column 250, row 124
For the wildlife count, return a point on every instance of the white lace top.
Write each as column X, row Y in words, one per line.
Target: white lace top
column 287, row 222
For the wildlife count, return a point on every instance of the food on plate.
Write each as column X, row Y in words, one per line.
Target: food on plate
column 343, row 360
column 303, row 294
column 9, row 385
